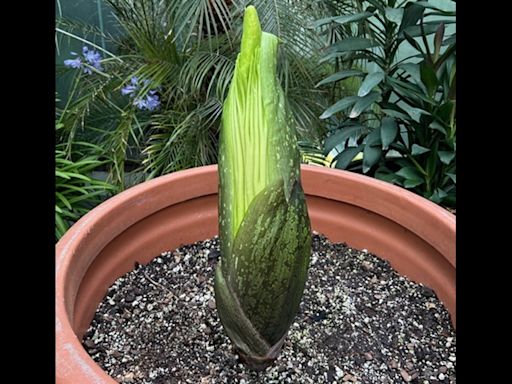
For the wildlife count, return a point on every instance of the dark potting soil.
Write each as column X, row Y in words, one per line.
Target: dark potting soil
column 359, row 322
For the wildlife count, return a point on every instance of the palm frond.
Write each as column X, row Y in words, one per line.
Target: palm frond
column 208, row 72
column 183, row 139
column 116, row 147
column 147, row 25
column 200, row 20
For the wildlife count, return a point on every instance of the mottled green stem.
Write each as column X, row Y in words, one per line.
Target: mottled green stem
column 263, row 221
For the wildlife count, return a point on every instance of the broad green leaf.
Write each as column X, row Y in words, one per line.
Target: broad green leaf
column 370, row 81
column 341, row 136
column 371, row 155
column 382, row 173
column 352, row 18
column 388, row 131
column 428, row 28
column 340, row 105
column 437, row 126
column 410, row 173
column 351, row 44
column 446, row 157
column 444, row 112
column 438, row 196
column 345, row 158
column 418, row 149
column 394, row 14
column 453, row 177
column 410, row 183
column 412, row 14
column 340, row 76
column 342, row 19
column 363, row 103
column 396, row 114
column 329, row 56
column 429, row 78
column 407, row 89
column 373, row 138
column 403, row 162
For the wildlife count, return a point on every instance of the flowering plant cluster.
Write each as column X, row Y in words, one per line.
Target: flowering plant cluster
column 150, row 102
column 90, row 58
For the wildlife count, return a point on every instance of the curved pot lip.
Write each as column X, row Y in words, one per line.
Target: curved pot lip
column 67, row 242
column 443, row 214
column 323, row 182
column 389, row 200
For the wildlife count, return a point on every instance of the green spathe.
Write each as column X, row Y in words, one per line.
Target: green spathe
column 264, row 225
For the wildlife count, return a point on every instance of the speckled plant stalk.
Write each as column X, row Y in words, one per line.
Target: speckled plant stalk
column 264, row 225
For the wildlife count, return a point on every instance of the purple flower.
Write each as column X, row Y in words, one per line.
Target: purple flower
column 91, row 57
column 73, row 63
column 94, row 59
column 152, row 102
column 128, row 90
column 149, row 103
column 140, row 103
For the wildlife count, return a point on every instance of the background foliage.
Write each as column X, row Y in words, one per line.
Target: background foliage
column 185, row 51
column 402, row 117
column 355, row 105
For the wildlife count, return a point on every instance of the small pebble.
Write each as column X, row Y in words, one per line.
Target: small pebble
column 405, row 375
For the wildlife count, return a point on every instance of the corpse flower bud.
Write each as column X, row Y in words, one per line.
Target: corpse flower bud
column 264, row 226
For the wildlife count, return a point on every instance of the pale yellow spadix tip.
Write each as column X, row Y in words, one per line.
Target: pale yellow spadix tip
column 251, row 35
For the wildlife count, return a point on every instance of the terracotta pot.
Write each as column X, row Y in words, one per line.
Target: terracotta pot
column 415, row 235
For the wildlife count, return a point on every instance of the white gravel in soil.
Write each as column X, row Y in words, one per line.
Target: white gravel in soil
column 359, row 322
